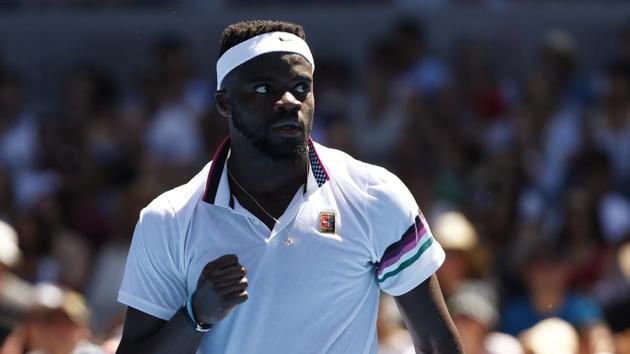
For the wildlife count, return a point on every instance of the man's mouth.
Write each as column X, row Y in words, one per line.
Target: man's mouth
column 288, row 128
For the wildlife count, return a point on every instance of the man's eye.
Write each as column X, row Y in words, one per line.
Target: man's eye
column 303, row 88
column 263, row 88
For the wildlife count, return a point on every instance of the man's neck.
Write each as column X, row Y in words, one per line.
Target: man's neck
column 262, row 185
column 261, row 175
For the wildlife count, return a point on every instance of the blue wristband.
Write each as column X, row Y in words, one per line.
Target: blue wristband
column 188, row 309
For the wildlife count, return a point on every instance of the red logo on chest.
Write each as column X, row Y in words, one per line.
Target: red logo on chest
column 327, row 222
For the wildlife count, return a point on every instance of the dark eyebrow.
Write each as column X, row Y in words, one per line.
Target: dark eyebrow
column 257, row 79
column 271, row 79
column 300, row 77
column 303, row 78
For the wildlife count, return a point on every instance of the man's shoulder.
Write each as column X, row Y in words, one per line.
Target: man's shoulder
column 346, row 169
column 379, row 191
column 174, row 201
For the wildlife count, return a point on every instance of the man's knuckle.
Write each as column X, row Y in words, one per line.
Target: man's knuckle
column 209, row 267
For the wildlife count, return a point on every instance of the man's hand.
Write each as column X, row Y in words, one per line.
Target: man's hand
column 220, row 288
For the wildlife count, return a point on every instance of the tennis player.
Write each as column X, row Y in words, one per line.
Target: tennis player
column 279, row 245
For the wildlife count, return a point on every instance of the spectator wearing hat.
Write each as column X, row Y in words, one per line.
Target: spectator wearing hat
column 465, row 257
column 57, row 323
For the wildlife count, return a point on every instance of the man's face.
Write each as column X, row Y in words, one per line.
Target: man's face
column 271, row 104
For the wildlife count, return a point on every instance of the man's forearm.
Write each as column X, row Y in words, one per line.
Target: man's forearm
column 220, row 288
column 427, row 319
column 441, row 339
column 176, row 336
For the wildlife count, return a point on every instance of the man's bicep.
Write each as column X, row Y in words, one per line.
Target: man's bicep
column 138, row 327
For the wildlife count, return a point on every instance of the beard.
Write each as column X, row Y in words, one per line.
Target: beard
column 290, row 150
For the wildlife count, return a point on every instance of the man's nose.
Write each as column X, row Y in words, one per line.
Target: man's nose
column 287, row 102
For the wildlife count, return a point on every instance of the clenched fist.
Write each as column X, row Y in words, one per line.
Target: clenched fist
column 220, row 288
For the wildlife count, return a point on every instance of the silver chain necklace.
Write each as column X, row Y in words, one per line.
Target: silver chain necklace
column 251, row 197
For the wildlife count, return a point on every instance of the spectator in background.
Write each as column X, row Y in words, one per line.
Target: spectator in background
column 550, row 119
column 378, row 114
column 545, row 272
column 558, row 61
column 53, row 252
column 474, row 308
column 167, row 110
column 401, row 73
column 172, row 133
column 581, row 237
column 466, row 259
column 87, row 157
column 19, row 143
column 108, row 268
column 484, row 95
column 563, row 129
column 592, row 170
column 414, row 65
column 18, row 126
column 495, row 187
column 333, row 92
column 609, row 123
column 57, row 323
column 471, row 296
column 425, row 80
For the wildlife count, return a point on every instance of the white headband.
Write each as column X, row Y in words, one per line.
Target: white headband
column 261, row 44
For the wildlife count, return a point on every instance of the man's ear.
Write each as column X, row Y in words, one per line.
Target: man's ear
column 223, row 103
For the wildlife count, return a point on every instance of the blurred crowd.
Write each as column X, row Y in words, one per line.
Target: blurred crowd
column 524, row 177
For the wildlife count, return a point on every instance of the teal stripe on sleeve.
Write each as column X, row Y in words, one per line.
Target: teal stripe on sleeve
column 409, row 261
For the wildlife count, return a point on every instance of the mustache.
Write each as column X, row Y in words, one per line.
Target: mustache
column 292, row 121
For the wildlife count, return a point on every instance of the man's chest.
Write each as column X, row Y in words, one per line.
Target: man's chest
column 321, row 246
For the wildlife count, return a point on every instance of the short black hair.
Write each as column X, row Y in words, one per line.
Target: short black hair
column 241, row 31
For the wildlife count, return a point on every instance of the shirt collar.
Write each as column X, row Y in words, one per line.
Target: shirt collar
column 217, row 190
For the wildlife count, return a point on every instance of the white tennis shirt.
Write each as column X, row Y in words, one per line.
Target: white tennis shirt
column 314, row 279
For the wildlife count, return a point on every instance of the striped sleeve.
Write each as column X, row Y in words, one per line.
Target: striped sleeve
column 406, row 252
column 410, row 260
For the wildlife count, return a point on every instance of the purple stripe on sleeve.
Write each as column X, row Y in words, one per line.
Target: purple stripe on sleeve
column 408, row 236
column 408, row 247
